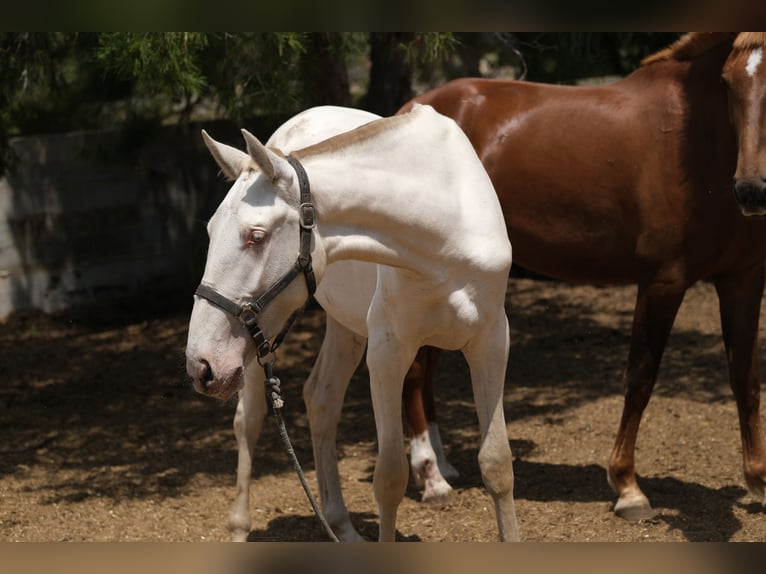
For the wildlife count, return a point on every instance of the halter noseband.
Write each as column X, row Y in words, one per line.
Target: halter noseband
column 248, row 311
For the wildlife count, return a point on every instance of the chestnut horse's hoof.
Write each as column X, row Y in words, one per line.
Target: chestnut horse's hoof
column 636, row 513
column 436, row 490
column 634, row 507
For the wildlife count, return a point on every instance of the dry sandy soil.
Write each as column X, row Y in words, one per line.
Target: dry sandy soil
column 103, row 438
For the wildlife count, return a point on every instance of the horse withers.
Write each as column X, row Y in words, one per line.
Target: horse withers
column 376, row 194
column 632, row 183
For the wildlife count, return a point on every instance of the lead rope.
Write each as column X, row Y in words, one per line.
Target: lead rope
column 274, row 398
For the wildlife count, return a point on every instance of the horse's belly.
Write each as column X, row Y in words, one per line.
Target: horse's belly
column 600, row 262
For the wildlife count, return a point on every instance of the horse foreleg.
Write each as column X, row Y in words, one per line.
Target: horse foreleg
column 739, row 297
column 487, row 358
column 323, row 394
column 248, row 423
column 388, row 361
column 426, row 462
column 657, row 303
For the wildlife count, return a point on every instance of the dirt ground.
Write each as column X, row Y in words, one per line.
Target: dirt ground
column 103, row 438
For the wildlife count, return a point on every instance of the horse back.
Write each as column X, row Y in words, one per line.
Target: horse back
column 606, row 184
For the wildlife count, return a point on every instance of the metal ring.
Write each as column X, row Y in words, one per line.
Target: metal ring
column 269, row 363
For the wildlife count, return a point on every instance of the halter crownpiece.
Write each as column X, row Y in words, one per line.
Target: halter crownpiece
column 248, row 311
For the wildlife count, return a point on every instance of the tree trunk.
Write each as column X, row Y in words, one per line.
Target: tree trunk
column 324, row 71
column 390, row 74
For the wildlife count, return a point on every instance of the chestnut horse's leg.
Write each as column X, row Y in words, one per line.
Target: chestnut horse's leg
column 739, row 296
column 656, row 306
column 248, row 422
column 323, row 394
column 420, row 416
column 446, row 469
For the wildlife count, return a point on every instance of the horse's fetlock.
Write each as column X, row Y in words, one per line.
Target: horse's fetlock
column 755, row 477
column 239, row 526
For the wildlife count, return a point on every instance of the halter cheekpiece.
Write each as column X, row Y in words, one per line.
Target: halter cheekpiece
column 248, row 311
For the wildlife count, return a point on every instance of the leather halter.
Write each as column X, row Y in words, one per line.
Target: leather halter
column 249, row 310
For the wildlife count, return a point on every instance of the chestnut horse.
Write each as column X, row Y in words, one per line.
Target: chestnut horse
column 635, row 182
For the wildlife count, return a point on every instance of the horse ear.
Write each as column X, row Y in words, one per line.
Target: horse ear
column 269, row 162
column 231, row 160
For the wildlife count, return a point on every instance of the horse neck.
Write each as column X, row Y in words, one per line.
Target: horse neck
column 371, row 216
column 399, row 200
column 705, row 131
column 702, row 70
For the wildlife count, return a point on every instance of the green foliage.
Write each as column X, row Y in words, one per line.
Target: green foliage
column 252, row 72
column 48, row 83
column 68, row 81
column 158, row 62
column 430, row 47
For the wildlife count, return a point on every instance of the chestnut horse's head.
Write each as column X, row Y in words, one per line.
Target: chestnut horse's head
column 254, row 240
column 744, row 75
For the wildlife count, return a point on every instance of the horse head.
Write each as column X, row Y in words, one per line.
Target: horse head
column 744, row 75
column 254, row 238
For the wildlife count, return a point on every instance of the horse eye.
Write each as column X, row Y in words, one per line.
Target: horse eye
column 256, row 236
column 725, row 82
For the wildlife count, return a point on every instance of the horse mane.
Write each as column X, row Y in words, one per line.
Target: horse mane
column 355, row 136
column 750, row 40
column 694, row 44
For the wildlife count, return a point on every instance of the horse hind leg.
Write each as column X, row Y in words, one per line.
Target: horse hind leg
column 487, row 357
column 427, row 459
column 657, row 303
column 739, row 297
column 448, row 471
column 248, row 423
column 323, row 393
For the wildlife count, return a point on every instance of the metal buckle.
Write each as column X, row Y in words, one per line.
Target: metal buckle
column 248, row 315
column 308, row 216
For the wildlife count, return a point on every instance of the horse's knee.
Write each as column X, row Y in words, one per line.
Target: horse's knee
column 390, row 478
column 239, row 420
column 638, row 392
column 496, row 467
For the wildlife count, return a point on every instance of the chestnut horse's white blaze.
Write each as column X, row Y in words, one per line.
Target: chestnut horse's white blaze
column 753, row 61
column 410, row 194
column 345, row 294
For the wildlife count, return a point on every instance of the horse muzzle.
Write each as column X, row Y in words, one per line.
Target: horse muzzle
column 220, row 386
column 751, row 196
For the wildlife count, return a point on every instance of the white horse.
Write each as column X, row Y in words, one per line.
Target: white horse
column 408, row 193
column 345, row 294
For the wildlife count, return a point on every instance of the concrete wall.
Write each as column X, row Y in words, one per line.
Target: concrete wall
column 90, row 217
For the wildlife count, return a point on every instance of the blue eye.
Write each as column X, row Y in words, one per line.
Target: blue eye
column 256, row 236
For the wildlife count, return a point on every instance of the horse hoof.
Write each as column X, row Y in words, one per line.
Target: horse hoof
column 347, row 533
column 436, row 491
column 635, row 512
column 239, row 536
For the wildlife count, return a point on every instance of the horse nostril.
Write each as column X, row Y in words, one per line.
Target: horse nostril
column 205, row 373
